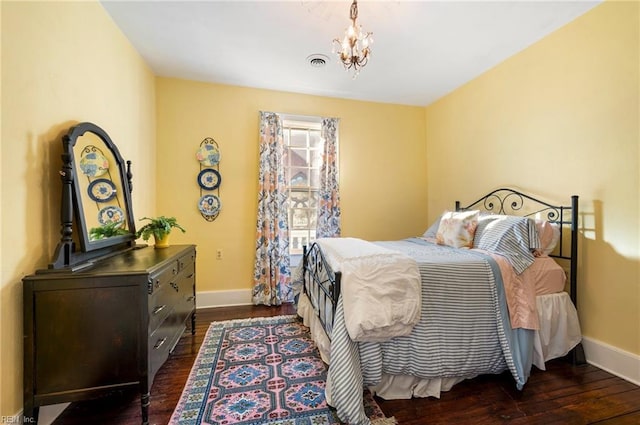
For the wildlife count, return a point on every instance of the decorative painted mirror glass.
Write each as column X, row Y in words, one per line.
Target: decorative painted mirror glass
column 97, row 189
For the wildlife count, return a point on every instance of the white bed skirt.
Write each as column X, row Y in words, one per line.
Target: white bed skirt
column 559, row 333
column 559, row 328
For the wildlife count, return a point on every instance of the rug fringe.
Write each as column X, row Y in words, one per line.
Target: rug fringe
column 384, row 421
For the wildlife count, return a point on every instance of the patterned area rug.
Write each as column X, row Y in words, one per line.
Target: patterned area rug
column 257, row 371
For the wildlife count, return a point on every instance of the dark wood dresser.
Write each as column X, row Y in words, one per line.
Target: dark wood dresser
column 105, row 325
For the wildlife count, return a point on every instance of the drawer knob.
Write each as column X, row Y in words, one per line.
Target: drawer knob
column 175, row 286
column 159, row 343
column 191, row 298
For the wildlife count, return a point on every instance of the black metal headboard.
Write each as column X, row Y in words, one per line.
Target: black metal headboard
column 512, row 202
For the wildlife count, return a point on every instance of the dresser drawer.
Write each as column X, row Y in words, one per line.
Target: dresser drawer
column 187, row 279
column 186, row 260
column 163, row 277
column 186, row 292
column 161, row 303
column 162, row 342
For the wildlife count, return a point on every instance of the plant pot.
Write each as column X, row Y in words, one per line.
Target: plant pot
column 162, row 243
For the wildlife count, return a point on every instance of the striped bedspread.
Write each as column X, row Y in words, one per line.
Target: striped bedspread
column 464, row 330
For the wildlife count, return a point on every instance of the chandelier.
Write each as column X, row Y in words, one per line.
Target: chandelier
column 354, row 48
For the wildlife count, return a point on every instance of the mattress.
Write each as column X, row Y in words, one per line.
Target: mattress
column 545, row 275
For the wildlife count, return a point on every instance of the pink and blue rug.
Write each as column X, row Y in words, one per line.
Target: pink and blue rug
column 257, row 371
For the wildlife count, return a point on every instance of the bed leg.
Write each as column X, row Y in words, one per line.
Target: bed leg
column 576, row 355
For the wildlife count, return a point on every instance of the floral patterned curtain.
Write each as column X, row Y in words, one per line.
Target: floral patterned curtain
column 272, row 275
column 328, row 224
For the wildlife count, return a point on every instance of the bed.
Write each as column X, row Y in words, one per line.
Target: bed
column 490, row 287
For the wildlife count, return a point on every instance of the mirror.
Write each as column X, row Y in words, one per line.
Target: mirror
column 97, row 189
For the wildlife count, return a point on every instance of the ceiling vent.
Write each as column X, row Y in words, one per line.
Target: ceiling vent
column 317, row 60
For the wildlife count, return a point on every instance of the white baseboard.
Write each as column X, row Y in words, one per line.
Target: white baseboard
column 206, row 299
column 621, row 363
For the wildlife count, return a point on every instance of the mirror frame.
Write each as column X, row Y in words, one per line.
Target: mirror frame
column 66, row 253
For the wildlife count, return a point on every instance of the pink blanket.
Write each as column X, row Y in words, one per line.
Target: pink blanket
column 520, row 293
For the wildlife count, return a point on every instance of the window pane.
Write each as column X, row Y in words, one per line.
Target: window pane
column 299, row 176
column 300, row 218
column 316, row 158
column 298, row 238
column 299, row 157
column 299, row 199
column 315, row 141
column 299, row 138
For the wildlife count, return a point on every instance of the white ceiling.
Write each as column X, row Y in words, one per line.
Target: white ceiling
column 422, row 49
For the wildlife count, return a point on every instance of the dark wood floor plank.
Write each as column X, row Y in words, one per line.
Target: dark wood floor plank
column 564, row 394
column 599, row 404
column 629, row 419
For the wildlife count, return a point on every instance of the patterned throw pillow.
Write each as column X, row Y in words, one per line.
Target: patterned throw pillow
column 457, row 229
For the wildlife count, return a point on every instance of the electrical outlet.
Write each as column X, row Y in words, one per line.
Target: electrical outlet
column 219, row 254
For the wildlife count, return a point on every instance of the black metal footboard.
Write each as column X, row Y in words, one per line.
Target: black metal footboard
column 321, row 285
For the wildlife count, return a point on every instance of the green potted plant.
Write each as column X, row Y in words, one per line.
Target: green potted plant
column 160, row 228
column 106, row 231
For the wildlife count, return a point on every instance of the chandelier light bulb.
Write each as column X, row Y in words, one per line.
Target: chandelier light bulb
column 353, row 50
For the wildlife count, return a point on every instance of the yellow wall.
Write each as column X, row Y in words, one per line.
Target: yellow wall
column 62, row 63
column 558, row 119
column 382, row 174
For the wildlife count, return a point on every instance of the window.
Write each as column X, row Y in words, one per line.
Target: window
column 302, row 161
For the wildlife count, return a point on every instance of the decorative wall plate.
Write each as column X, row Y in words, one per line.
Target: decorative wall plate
column 208, row 155
column 209, row 179
column 209, row 205
column 102, row 190
column 93, row 164
column 111, row 214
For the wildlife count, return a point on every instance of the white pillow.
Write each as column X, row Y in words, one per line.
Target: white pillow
column 457, row 229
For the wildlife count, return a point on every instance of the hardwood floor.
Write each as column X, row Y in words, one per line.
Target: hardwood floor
column 564, row 394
